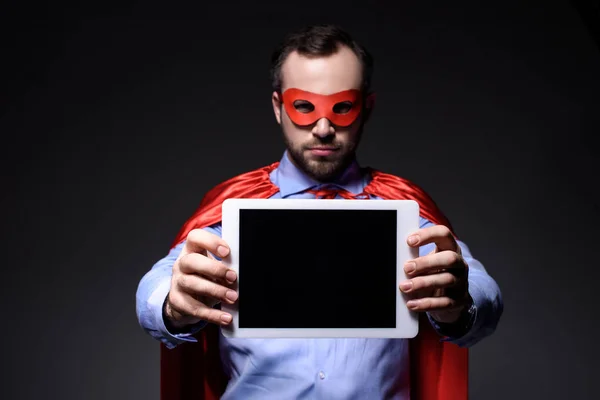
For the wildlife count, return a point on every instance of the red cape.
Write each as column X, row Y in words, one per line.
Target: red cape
column 192, row 371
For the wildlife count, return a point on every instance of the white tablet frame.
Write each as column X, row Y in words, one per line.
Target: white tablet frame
column 408, row 222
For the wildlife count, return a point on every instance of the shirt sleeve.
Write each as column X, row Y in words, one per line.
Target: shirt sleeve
column 482, row 318
column 151, row 294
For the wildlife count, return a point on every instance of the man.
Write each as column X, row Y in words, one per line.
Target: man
column 321, row 100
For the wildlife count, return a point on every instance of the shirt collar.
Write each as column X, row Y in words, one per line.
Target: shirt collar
column 291, row 180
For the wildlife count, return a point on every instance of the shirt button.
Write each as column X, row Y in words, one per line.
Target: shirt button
column 322, row 375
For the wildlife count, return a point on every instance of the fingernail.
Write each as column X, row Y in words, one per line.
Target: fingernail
column 410, row 267
column 230, row 276
column 231, row 295
column 412, row 305
column 406, row 286
column 223, row 251
column 226, row 318
column 413, row 239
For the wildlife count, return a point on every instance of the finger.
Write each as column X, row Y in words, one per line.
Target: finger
column 195, row 263
column 187, row 305
column 434, row 304
column 200, row 241
column 433, row 263
column 198, row 286
column 430, row 282
column 438, row 234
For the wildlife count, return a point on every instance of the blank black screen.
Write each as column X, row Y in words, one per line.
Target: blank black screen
column 317, row 269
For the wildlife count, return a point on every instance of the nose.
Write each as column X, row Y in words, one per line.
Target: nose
column 323, row 128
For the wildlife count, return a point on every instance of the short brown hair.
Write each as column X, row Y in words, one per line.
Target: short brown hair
column 319, row 40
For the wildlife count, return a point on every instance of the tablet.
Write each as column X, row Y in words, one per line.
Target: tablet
column 319, row 268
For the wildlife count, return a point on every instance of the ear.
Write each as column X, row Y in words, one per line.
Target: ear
column 276, row 100
column 369, row 106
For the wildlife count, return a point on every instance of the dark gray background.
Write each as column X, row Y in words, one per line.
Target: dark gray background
column 116, row 120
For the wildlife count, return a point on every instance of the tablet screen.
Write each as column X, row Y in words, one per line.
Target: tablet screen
column 317, row 268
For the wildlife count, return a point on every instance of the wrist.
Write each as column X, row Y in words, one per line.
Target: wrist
column 458, row 324
column 174, row 321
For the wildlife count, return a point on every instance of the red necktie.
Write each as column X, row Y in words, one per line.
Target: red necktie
column 331, row 193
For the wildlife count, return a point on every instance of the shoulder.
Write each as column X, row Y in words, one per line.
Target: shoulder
column 394, row 182
column 390, row 186
column 252, row 184
column 245, row 180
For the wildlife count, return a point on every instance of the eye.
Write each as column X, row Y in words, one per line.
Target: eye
column 343, row 107
column 304, row 106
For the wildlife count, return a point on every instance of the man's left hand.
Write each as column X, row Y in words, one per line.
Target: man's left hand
column 438, row 282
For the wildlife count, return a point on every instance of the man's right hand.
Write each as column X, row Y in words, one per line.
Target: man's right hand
column 199, row 281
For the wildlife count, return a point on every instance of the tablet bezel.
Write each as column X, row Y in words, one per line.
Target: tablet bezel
column 407, row 222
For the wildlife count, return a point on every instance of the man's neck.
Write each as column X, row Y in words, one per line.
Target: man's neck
column 292, row 179
column 323, row 181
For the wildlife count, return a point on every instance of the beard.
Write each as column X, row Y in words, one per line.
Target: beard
column 324, row 168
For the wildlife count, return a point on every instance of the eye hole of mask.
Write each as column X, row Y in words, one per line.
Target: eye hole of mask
column 343, row 107
column 304, row 106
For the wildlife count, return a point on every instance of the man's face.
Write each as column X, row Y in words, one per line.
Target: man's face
column 321, row 149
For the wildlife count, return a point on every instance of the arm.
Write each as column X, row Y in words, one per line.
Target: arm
column 151, row 294
column 481, row 318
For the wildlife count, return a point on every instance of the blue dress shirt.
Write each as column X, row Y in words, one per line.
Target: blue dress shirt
column 330, row 369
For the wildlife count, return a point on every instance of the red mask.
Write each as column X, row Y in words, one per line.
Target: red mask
column 305, row 108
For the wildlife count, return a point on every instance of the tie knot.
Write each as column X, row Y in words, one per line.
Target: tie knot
column 331, row 193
